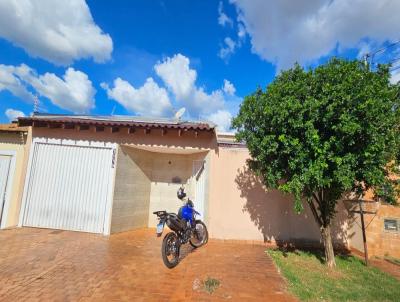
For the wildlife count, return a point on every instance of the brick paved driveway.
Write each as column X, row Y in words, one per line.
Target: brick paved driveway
column 51, row 265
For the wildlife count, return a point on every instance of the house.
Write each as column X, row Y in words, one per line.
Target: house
column 13, row 151
column 103, row 175
column 108, row 174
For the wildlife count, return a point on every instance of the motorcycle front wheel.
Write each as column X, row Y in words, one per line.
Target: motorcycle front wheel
column 200, row 235
column 170, row 250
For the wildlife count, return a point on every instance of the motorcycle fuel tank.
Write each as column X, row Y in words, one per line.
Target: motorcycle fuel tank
column 187, row 213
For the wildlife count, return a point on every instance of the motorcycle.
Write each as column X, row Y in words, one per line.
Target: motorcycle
column 185, row 228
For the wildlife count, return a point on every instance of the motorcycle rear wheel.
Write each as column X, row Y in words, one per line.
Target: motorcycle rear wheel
column 200, row 230
column 170, row 250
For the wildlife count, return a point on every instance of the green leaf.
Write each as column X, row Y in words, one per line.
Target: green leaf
column 327, row 129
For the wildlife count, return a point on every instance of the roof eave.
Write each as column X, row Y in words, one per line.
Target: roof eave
column 30, row 121
column 13, row 128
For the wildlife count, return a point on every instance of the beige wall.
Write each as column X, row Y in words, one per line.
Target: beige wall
column 15, row 142
column 162, row 174
column 148, row 181
column 354, row 230
column 240, row 207
column 131, row 191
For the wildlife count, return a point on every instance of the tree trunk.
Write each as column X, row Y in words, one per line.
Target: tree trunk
column 325, row 227
column 327, row 239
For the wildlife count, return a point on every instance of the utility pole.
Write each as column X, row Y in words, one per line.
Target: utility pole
column 363, row 228
column 363, row 233
column 366, row 56
column 369, row 57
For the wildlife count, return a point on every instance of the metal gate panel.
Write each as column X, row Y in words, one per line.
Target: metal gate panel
column 5, row 163
column 68, row 187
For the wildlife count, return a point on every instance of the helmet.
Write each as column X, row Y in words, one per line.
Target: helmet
column 181, row 193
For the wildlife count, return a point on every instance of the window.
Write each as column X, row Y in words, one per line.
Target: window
column 391, row 225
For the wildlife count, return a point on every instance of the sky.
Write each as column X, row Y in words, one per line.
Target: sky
column 153, row 57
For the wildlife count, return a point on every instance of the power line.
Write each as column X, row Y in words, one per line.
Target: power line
column 390, row 62
column 384, row 48
column 394, row 60
column 371, row 55
column 395, row 68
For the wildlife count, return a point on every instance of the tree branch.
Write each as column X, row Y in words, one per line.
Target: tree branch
column 315, row 213
column 316, row 198
column 323, row 208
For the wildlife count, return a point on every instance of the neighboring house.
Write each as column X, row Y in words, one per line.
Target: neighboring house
column 13, row 151
column 382, row 225
column 383, row 231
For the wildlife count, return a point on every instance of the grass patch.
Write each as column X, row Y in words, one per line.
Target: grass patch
column 310, row 280
column 211, row 284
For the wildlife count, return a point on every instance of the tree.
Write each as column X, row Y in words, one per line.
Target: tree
column 324, row 132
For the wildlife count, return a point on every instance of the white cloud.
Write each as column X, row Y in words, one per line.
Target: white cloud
column 363, row 49
column 57, row 31
column 230, row 45
column 181, row 90
column 227, row 49
column 229, row 88
column 177, row 75
column 203, row 103
column 222, row 118
column 10, row 82
column 13, row 114
column 395, row 77
column 241, row 31
column 148, row 100
column 180, row 79
column 284, row 32
column 73, row 92
column 223, row 19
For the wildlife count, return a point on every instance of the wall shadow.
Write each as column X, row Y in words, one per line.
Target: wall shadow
column 273, row 214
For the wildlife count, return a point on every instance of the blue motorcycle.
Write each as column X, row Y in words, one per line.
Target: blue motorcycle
column 185, row 228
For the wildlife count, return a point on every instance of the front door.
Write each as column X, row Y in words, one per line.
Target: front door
column 200, row 183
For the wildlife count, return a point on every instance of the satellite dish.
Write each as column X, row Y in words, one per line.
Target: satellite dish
column 179, row 113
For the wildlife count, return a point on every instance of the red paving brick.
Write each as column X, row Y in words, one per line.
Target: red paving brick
column 49, row 265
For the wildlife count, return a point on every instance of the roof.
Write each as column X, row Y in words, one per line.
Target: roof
column 116, row 121
column 228, row 140
column 13, row 127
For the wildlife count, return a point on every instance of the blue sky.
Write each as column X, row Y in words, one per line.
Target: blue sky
column 154, row 57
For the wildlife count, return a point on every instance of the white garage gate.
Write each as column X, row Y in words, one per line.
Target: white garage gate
column 68, row 187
